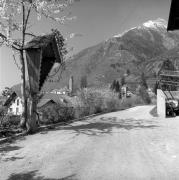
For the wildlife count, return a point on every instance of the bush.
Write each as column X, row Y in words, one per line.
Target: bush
column 9, row 121
column 99, row 100
column 81, row 112
column 112, row 104
column 56, row 113
column 142, row 92
column 131, row 102
column 92, row 101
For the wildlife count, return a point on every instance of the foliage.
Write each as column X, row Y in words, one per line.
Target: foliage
column 3, row 111
column 10, row 121
column 105, row 100
column 143, row 81
column 144, row 95
column 156, row 86
column 128, row 72
column 93, row 101
column 113, row 85
column 168, row 65
column 12, row 12
column 131, row 102
column 112, row 103
column 7, row 92
column 9, row 125
column 116, row 87
column 56, row 113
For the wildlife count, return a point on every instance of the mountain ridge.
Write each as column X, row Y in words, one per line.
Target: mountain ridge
column 136, row 50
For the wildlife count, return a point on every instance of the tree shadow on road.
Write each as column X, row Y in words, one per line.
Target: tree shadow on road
column 10, row 146
column 32, row 175
column 7, row 148
column 105, row 125
column 153, row 112
column 14, row 158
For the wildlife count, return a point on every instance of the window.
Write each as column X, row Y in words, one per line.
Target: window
column 17, row 102
column 10, row 109
column 17, row 110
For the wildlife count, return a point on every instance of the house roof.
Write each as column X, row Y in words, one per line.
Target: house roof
column 64, row 100
column 173, row 22
column 40, row 41
column 12, row 97
column 55, row 98
column 44, row 102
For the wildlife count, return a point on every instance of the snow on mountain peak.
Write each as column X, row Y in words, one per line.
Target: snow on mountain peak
column 159, row 23
column 120, row 35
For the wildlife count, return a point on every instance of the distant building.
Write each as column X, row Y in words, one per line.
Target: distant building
column 65, row 90
column 124, row 90
column 51, row 99
column 58, row 99
column 62, row 91
column 14, row 104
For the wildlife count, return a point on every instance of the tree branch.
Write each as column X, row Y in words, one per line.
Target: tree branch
column 14, row 43
column 23, row 25
column 30, row 34
column 27, row 18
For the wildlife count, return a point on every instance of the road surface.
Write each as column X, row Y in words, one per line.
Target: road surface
column 129, row 145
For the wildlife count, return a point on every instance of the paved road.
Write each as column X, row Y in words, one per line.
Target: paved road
column 127, row 145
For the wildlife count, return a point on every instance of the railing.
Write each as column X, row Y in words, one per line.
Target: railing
column 170, row 73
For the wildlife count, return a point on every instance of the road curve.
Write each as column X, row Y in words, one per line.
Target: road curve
column 129, row 145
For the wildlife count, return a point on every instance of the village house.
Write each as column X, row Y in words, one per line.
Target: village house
column 51, row 99
column 14, row 104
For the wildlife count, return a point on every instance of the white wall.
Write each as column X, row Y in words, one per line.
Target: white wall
column 15, row 108
column 161, row 105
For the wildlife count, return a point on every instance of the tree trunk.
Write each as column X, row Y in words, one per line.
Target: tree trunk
column 24, row 97
column 32, row 121
column 28, row 121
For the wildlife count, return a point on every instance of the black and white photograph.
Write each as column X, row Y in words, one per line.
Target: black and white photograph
column 89, row 89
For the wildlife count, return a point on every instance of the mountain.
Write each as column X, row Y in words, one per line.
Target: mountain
column 137, row 50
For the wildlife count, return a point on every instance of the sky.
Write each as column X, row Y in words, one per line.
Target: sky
column 97, row 20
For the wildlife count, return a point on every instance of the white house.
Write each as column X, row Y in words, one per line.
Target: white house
column 14, row 104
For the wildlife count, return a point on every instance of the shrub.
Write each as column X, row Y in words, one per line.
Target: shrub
column 112, row 103
column 56, row 113
column 99, row 100
column 9, row 121
column 92, row 101
column 142, row 92
column 144, row 95
column 131, row 102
